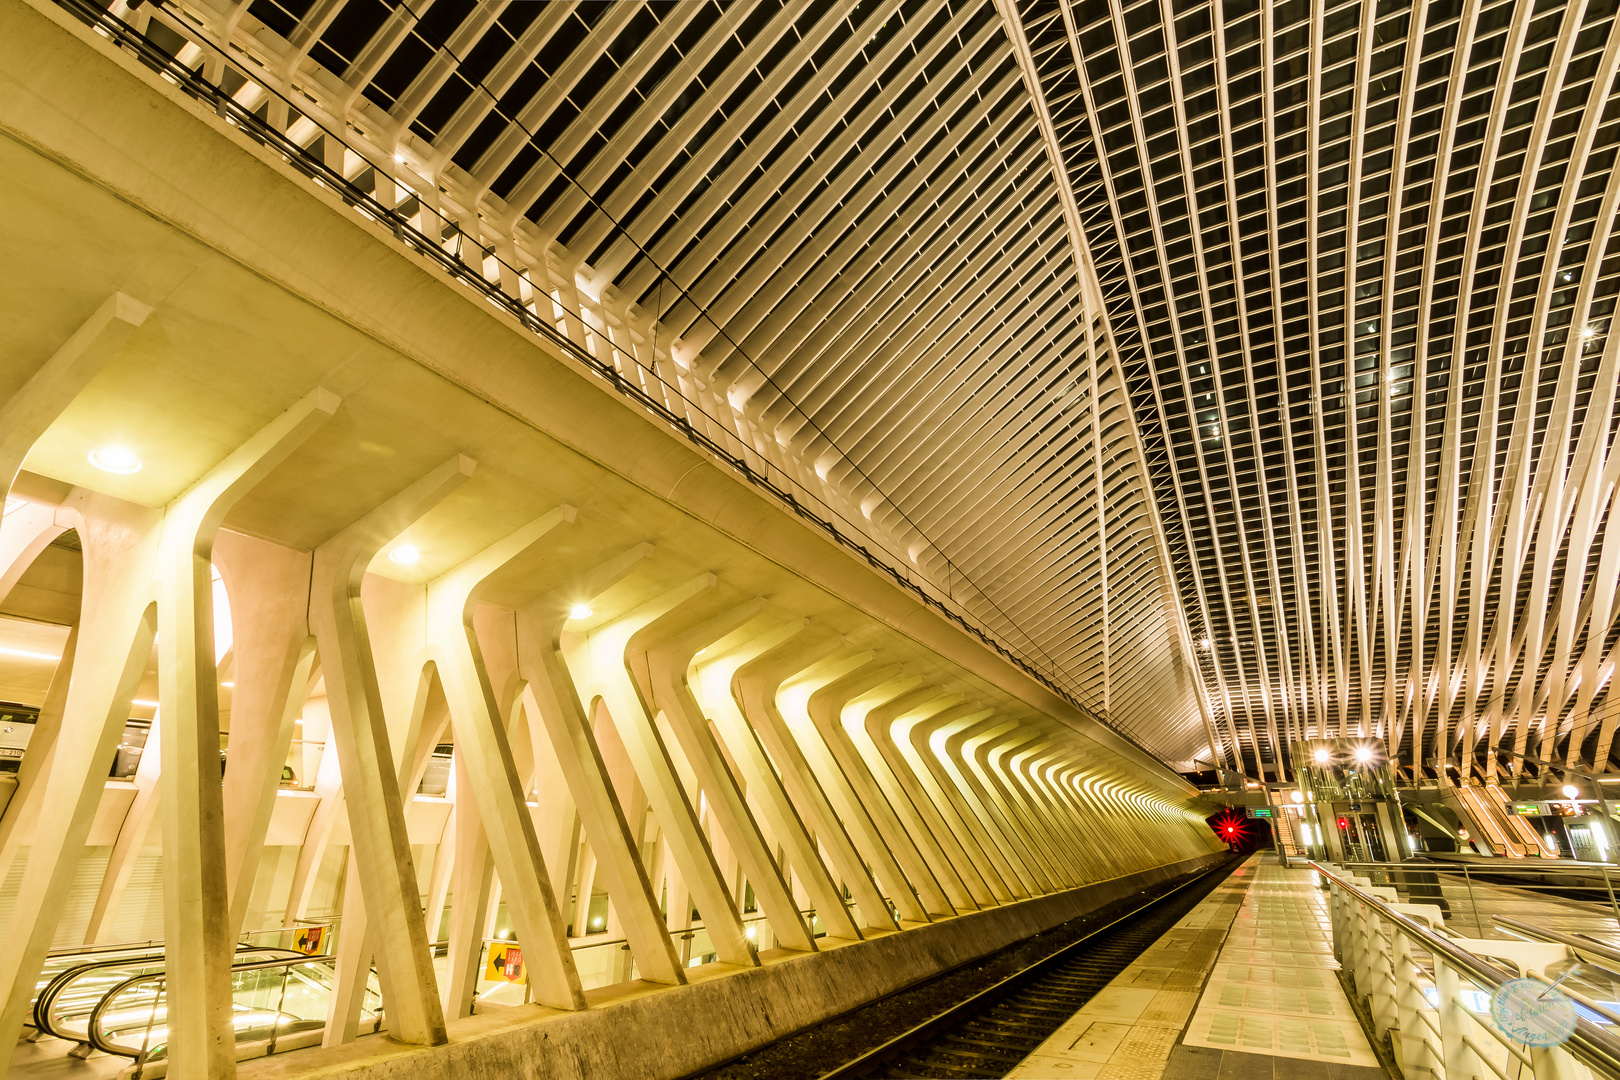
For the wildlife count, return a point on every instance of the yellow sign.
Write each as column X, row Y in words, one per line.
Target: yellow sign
column 505, row 964
column 308, row 940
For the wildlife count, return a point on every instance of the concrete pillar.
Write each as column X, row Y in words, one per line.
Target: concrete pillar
column 274, row 659
column 117, row 623
column 755, row 686
column 767, row 796
column 824, row 709
column 552, row 699
column 493, row 782
column 657, row 657
column 387, row 877
column 197, row 929
column 699, row 870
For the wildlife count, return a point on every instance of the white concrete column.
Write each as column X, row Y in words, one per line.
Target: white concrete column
column 557, row 715
column 274, row 657
column 197, row 929
column 118, row 620
column 909, row 735
column 793, row 700
column 879, row 727
column 688, row 846
column 381, row 847
column 902, row 691
column 947, row 743
column 766, row 793
column 755, row 686
column 658, row 657
column 474, row 877
column 825, row 709
column 481, row 743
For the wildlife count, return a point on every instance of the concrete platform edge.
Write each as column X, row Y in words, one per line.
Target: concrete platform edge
column 670, row 1033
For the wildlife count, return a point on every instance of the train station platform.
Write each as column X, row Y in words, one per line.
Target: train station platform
column 1244, row 987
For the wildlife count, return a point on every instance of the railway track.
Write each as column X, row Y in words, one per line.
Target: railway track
column 991, row 1032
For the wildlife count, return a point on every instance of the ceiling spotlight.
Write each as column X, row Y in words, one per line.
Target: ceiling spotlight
column 1571, row 791
column 580, row 611
column 1298, row 797
column 115, row 459
column 399, row 159
column 1588, row 332
column 1364, row 753
column 405, row 555
column 1322, row 757
column 1205, row 644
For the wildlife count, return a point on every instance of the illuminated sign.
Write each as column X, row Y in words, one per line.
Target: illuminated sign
column 1529, row 809
column 1259, row 811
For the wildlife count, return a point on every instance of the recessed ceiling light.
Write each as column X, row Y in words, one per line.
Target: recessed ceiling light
column 405, row 555
column 146, row 704
column 115, row 459
column 580, row 611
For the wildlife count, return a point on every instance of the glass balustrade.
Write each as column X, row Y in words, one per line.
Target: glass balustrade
column 65, row 1004
column 281, row 1003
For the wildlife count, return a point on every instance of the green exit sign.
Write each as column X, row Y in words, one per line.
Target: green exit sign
column 1259, row 811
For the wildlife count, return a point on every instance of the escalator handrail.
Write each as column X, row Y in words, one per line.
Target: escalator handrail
column 57, row 986
column 255, row 965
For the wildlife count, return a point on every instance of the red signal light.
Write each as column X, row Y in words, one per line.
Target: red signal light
column 1343, row 823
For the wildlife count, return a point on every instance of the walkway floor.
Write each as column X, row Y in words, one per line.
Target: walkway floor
column 1243, row 988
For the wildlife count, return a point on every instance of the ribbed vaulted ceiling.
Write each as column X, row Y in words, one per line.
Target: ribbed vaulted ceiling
column 1360, row 263
column 1267, row 338
column 831, row 237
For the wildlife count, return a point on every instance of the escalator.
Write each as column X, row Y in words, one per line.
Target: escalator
column 117, row 1004
column 1516, row 825
column 1470, row 805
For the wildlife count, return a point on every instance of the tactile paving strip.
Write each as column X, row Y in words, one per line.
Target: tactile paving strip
column 1273, row 990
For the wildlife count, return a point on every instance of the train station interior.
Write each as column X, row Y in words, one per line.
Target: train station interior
column 776, row 539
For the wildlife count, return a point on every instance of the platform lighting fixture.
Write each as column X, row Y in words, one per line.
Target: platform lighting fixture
column 1322, row 757
column 1588, row 333
column 404, row 555
column 1205, row 644
column 1298, row 797
column 1364, row 753
column 1571, row 791
column 580, row 611
column 144, row 704
column 115, row 459
column 1552, row 841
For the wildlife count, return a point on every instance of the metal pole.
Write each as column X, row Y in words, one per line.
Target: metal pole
column 1478, row 926
column 1608, row 885
column 275, row 1021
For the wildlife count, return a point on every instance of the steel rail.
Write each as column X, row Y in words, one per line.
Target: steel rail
column 875, row 1059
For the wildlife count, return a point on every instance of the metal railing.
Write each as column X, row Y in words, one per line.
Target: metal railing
column 1585, row 889
column 1430, row 992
